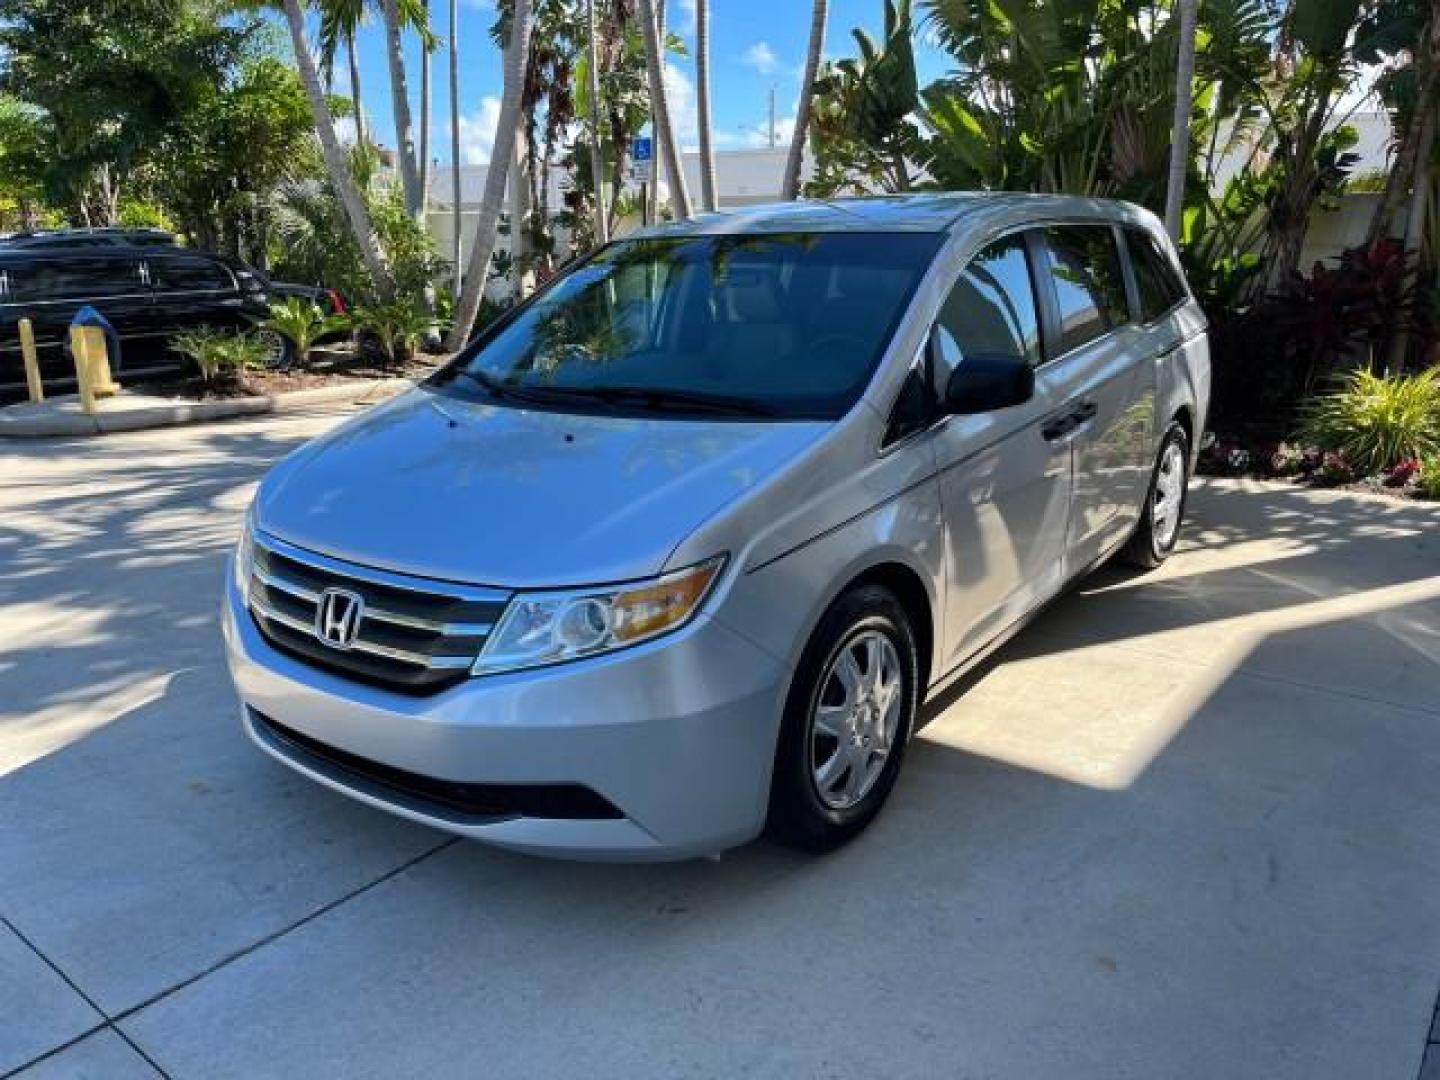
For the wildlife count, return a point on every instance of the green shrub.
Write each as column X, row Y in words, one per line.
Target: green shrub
column 214, row 351
column 301, row 322
column 1375, row 421
column 1427, row 480
column 203, row 346
column 395, row 329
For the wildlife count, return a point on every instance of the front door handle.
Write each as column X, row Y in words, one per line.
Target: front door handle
column 1075, row 415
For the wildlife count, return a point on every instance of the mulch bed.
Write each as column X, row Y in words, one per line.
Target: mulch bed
column 326, row 367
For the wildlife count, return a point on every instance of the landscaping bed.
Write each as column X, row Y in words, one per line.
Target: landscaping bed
column 333, row 367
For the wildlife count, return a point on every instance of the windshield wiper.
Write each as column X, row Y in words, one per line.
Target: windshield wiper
column 495, row 388
column 662, row 399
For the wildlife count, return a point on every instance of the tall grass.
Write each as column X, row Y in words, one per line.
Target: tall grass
column 1377, row 421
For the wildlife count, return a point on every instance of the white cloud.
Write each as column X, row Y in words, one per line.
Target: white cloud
column 761, row 57
column 477, row 131
column 345, row 129
column 680, row 94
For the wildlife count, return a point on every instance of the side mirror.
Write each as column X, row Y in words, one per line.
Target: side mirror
column 985, row 382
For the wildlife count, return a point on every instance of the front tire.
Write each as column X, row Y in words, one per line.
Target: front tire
column 848, row 717
column 1158, row 530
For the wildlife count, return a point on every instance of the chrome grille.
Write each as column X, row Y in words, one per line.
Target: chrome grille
column 416, row 635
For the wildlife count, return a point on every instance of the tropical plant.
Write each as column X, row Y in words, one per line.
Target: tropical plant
column 301, row 322
column 215, row 351
column 1427, row 480
column 395, row 329
column 1376, row 421
column 337, row 162
column 517, row 51
column 315, row 246
column 790, row 186
column 860, row 128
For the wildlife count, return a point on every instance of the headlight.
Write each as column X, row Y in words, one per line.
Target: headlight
column 550, row 627
column 244, row 559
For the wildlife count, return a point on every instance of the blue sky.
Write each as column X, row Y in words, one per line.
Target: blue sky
column 754, row 45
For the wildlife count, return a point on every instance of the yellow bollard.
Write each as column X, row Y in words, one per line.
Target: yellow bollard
column 92, row 365
column 80, row 347
column 32, row 362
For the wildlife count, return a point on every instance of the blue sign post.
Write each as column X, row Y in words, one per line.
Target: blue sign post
column 642, row 157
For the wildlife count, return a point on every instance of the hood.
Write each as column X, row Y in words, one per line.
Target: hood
column 478, row 493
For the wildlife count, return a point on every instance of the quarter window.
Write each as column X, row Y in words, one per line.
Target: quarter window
column 1084, row 265
column 179, row 274
column 990, row 311
column 1156, row 278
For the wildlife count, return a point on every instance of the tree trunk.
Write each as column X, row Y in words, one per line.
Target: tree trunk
column 520, row 207
column 355, row 100
column 400, row 101
column 790, row 187
column 425, row 81
column 457, row 218
column 597, row 144
column 517, row 53
column 1415, row 226
column 336, row 163
column 1407, row 157
column 664, row 131
column 1180, row 131
column 702, row 76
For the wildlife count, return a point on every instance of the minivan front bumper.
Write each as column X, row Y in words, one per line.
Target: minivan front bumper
column 673, row 741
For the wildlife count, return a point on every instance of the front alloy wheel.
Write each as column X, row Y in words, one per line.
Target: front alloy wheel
column 848, row 716
column 855, row 719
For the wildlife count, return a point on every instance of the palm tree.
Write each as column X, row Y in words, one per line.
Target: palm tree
column 400, row 103
column 702, row 76
column 664, row 131
column 790, row 188
column 340, row 21
column 336, row 163
column 425, row 49
column 597, row 146
column 517, row 52
column 455, row 216
column 1180, row 131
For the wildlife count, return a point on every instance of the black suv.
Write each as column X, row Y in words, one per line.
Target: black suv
column 147, row 288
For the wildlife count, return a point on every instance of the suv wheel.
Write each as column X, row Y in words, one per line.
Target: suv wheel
column 1159, row 527
column 847, row 719
column 278, row 349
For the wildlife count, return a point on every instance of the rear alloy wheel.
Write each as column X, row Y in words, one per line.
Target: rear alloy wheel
column 1159, row 526
column 277, row 349
column 847, row 720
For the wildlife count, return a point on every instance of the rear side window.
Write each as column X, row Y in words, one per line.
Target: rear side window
column 1156, row 278
column 990, row 311
column 1084, row 266
column 74, row 278
column 176, row 273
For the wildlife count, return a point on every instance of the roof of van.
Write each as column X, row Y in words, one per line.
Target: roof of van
column 932, row 212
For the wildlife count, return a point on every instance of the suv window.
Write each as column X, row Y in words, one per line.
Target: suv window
column 1156, row 279
column 176, row 273
column 990, row 312
column 1084, row 265
column 74, row 278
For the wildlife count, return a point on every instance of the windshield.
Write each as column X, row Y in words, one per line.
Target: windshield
column 785, row 325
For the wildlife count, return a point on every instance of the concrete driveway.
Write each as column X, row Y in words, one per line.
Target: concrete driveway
column 1188, row 825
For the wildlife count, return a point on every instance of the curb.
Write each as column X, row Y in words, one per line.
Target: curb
column 176, row 412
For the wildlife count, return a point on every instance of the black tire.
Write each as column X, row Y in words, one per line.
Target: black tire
column 1147, row 547
column 282, row 349
column 799, row 816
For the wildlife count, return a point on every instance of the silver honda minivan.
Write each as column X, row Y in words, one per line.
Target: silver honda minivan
column 678, row 548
